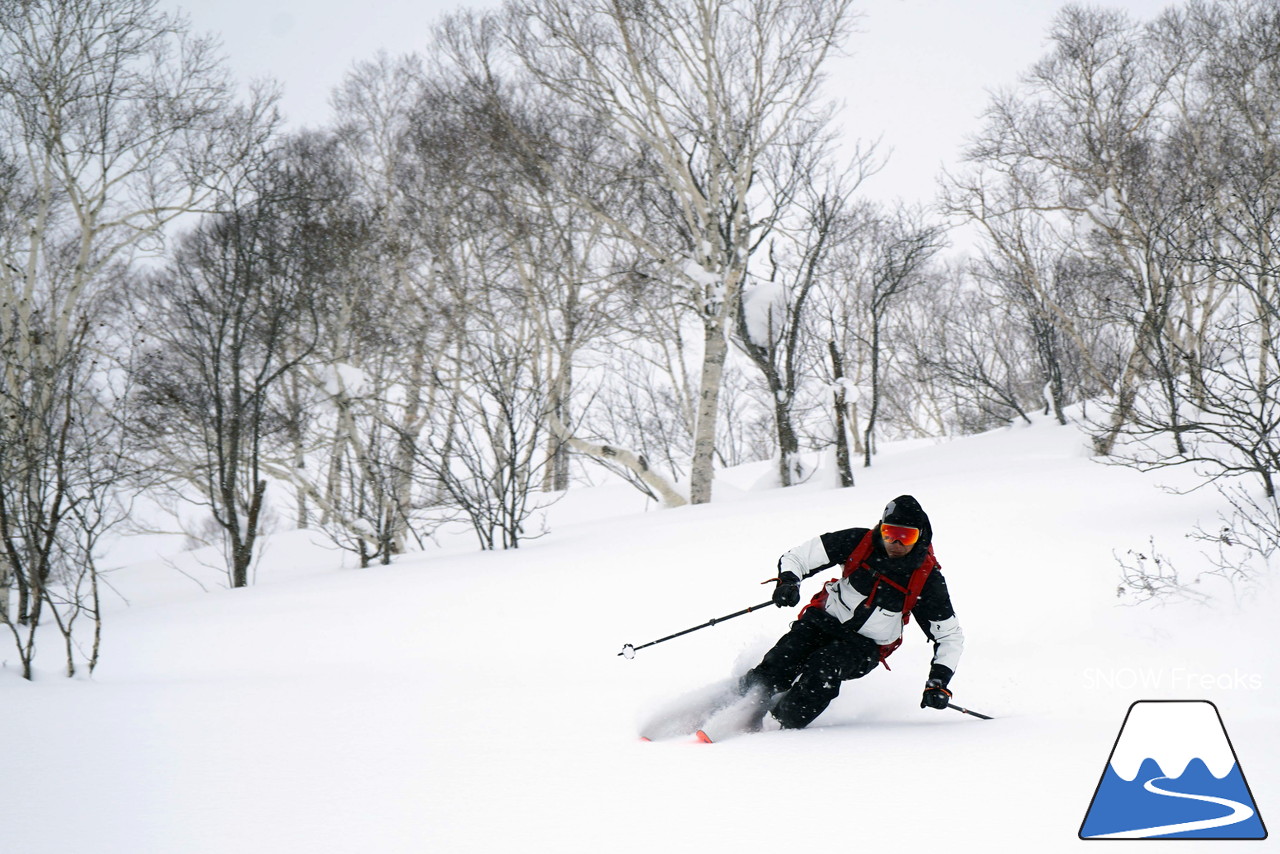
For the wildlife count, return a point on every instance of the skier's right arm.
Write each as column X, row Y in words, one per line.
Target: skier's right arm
column 819, row 553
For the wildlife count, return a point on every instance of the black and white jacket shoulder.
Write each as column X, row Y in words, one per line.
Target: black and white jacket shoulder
column 875, row 610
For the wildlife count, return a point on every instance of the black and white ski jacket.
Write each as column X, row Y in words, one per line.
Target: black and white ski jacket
column 881, row 619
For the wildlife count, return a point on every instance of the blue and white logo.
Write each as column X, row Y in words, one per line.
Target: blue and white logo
column 1173, row 774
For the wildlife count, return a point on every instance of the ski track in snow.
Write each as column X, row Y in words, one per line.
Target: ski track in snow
column 1239, row 813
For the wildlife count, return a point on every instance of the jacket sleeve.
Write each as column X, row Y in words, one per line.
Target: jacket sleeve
column 821, row 552
column 938, row 619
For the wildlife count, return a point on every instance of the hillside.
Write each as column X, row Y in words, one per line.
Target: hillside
column 460, row 701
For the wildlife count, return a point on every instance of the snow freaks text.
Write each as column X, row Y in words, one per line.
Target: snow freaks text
column 1169, row 679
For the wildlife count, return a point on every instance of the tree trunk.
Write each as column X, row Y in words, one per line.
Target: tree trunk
column 1145, row 343
column 406, row 447
column 789, row 468
column 659, row 485
column 6, row 580
column 1046, row 339
column 843, row 463
column 704, row 432
column 556, row 472
column 869, row 441
column 242, row 550
column 715, row 350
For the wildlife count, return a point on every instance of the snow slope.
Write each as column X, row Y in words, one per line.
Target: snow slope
column 474, row 702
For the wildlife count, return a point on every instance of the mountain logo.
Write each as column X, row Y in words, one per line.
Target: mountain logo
column 1173, row 774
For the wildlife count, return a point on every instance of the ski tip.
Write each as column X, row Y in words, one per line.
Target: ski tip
column 645, row 738
column 703, row 737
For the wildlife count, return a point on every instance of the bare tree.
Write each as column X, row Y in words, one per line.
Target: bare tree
column 232, row 314
column 1129, row 200
column 385, row 324
column 1209, row 396
column 1083, row 134
column 484, row 449
column 971, row 342
column 898, row 247
column 345, row 409
column 1027, row 259
column 772, row 325
column 836, row 317
column 58, row 502
column 702, row 91
column 566, row 263
column 114, row 121
column 486, row 454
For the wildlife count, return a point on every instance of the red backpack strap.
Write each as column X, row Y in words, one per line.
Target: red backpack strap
column 915, row 586
column 859, row 555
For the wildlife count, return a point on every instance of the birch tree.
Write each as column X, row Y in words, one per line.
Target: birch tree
column 704, row 91
column 1025, row 258
column 1088, row 124
column 1225, row 148
column 114, row 121
column 771, row 326
column 565, row 260
column 380, row 118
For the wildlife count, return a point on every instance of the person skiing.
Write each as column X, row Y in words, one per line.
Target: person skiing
column 856, row 620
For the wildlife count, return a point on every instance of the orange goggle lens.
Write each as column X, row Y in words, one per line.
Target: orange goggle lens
column 906, row 536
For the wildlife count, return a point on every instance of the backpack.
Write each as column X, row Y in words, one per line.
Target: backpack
column 915, row 585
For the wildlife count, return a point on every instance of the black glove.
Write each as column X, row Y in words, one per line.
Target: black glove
column 936, row 695
column 787, row 592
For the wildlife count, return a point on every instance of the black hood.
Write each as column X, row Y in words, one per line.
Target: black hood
column 905, row 510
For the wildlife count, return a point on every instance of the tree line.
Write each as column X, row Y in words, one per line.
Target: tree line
column 578, row 233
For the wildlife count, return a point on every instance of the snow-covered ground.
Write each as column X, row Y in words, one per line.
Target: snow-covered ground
column 474, row 702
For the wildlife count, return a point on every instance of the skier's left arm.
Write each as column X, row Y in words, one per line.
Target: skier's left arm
column 938, row 619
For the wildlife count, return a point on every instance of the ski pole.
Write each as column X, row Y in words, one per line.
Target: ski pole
column 629, row 651
column 969, row 712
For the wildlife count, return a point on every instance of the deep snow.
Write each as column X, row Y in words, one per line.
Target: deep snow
column 460, row 701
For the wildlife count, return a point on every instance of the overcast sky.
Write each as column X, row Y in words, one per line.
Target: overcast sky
column 918, row 76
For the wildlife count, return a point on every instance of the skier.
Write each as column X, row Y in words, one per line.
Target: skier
column 857, row 620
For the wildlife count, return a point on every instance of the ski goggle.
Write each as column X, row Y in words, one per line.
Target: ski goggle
column 901, row 533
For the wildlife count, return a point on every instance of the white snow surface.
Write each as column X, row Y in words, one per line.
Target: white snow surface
column 460, row 701
column 1172, row 734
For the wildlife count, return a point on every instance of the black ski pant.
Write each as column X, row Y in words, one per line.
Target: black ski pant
column 809, row 662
